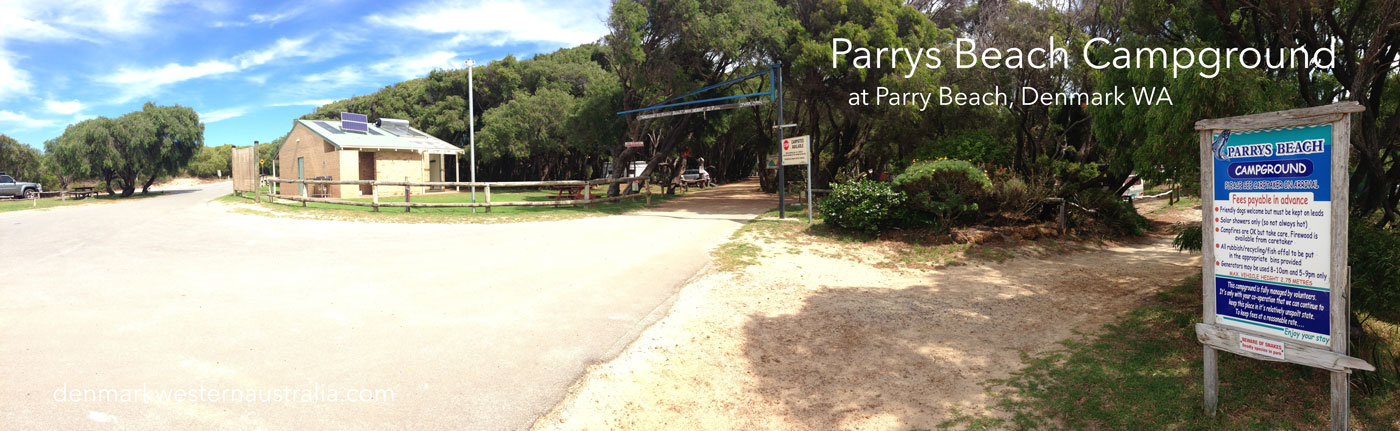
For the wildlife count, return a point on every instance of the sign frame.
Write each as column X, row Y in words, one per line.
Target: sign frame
column 1215, row 337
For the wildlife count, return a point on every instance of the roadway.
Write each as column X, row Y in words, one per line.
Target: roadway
column 480, row 327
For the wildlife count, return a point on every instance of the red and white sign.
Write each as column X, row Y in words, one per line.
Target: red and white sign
column 795, row 151
column 632, row 144
column 1262, row 346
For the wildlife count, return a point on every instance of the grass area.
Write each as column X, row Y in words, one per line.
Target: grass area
column 318, row 210
column 910, row 249
column 25, row 204
column 1145, row 373
column 1183, row 203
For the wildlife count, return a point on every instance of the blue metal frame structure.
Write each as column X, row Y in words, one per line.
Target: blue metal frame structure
column 771, row 93
column 774, row 93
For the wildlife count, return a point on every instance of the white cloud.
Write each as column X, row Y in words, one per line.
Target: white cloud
column 40, row 20
column 221, row 115
column 511, row 21
column 338, row 77
column 283, row 48
column 139, row 82
column 22, row 121
column 414, row 66
column 313, row 102
column 65, row 108
column 13, row 80
column 169, row 74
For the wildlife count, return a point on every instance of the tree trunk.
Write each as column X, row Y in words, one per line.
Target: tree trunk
column 146, row 188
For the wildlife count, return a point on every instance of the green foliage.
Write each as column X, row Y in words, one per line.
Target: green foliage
column 1015, row 198
column 863, row 205
column 976, row 146
column 212, row 161
column 943, row 191
column 1111, row 214
column 1374, row 254
column 1189, row 239
column 144, row 145
column 20, row 161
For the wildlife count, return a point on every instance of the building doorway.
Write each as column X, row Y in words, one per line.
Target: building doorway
column 367, row 172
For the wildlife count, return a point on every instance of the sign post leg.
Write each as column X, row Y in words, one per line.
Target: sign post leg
column 1340, row 403
column 1212, row 379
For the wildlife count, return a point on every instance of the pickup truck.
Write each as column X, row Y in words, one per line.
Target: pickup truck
column 11, row 188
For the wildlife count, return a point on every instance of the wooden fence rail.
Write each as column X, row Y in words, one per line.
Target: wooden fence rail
column 487, row 204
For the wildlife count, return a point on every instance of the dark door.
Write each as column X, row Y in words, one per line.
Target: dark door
column 366, row 171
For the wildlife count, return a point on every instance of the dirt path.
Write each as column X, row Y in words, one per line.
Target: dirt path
column 805, row 339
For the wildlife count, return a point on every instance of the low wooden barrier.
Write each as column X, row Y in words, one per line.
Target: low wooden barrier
column 487, row 204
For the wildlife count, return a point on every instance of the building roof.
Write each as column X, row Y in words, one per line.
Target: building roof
column 391, row 137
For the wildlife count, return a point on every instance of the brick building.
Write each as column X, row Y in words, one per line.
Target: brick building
column 390, row 150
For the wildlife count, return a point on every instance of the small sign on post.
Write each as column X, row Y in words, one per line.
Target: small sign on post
column 772, row 162
column 632, row 144
column 795, row 151
column 1274, row 243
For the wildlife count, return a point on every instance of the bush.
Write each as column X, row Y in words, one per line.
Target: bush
column 864, row 205
column 943, row 191
column 977, row 146
column 1374, row 254
column 1015, row 198
column 1112, row 214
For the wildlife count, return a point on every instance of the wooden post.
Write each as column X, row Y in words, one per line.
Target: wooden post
column 488, row 197
column 648, row 188
column 257, row 175
column 1064, row 224
column 406, row 192
column 1340, row 298
column 375, row 190
column 1210, row 355
column 588, row 193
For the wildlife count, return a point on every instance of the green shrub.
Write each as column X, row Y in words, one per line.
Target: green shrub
column 977, row 146
column 1111, row 213
column 1189, row 239
column 863, row 205
column 1014, row 197
column 1374, row 254
column 942, row 191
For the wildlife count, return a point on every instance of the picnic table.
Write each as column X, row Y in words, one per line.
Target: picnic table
column 82, row 192
column 567, row 192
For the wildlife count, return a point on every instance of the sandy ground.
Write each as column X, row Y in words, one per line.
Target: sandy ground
column 806, row 339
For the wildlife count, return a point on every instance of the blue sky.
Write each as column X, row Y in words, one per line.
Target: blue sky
column 250, row 68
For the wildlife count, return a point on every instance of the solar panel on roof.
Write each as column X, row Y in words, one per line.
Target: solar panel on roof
column 334, row 130
column 354, row 122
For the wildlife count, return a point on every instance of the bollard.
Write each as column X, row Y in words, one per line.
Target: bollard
column 406, row 191
column 488, row 197
column 375, row 187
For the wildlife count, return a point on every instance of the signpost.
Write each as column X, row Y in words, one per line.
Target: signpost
column 795, row 153
column 1274, row 243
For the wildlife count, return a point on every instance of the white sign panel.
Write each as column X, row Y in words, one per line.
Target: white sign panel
column 772, row 162
column 795, row 151
column 1262, row 346
column 1273, row 232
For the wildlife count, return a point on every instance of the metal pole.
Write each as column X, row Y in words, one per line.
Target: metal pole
column 471, row 127
column 782, row 195
column 809, row 182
